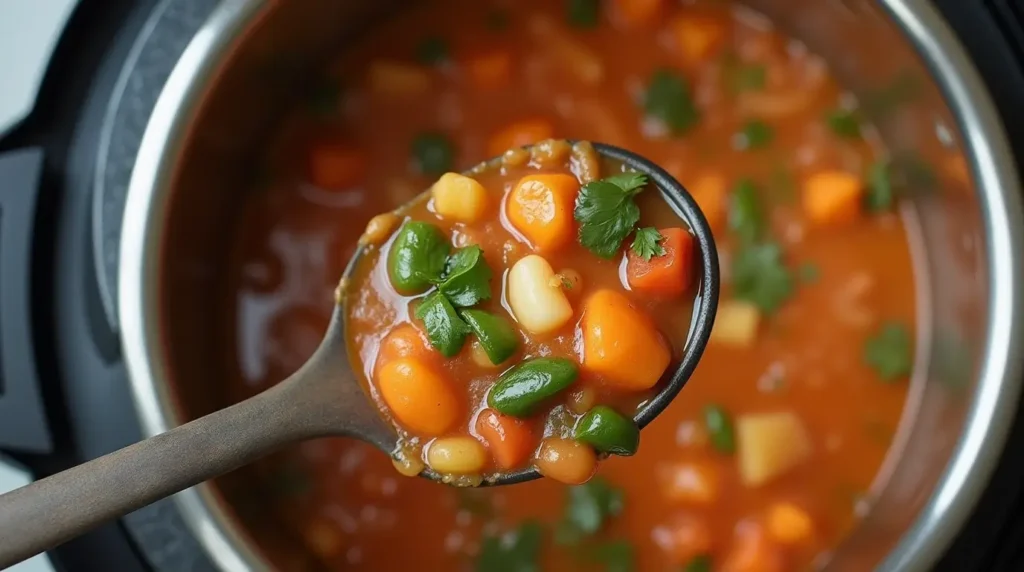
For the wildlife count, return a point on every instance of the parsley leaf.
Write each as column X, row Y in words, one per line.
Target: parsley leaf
column 467, row 278
column 583, row 13
column 607, row 212
column 515, row 551
column 445, row 329
column 587, row 508
column 647, row 243
column 890, row 352
column 616, row 555
column 760, row 276
column 700, row 563
column 433, row 152
column 668, row 99
column 844, row 123
column 432, row 51
column 754, row 135
column 880, row 195
column 746, row 217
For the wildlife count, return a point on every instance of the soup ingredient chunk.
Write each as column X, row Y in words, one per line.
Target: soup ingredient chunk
column 769, row 445
column 511, row 440
column 418, row 396
column 661, row 261
column 525, row 387
column 608, row 431
column 537, row 304
column 460, row 198
column 540, row 208
column 620, row 345
column 418, row 257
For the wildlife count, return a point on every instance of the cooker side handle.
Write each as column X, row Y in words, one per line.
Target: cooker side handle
column 23, row 424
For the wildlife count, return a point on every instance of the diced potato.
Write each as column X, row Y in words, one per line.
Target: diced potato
column 460, row 198
column 736, row 324
column 789, row 524
column 397, row 79
column 536, row 304
column 770, row 444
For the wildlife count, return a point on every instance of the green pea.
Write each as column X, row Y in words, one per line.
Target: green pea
column 522, row 389
column 417, row 258
column 719, row 425
column 496, row 335
column 608, row 431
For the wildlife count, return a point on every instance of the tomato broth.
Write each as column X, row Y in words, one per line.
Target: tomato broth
column 768, row 456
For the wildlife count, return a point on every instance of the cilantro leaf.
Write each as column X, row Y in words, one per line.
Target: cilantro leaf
column 844, row 123
column 616, row 555
column 583, row 13
column 890, row 352
column 432, row 50
column 433, row 153
column 754, row 135
column 760, row 277
column 445, row 329
column 700, row 563
column 467, row 278
column 607, row 212
column 746, row 218
column 668, row 99
column 515, row 551
column 880, row 195
column 647, row 243
column 588, row 507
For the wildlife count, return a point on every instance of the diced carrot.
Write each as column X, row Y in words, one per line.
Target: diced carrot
column 417, row 395
column 540, row 208
column 690, row 482
column 520, row 134
column 789, row 524
column 697, row 36
column 405, row 341
column 620, row 343
column 711, row 195
column 490, row 70
column 397, row 79
column 511, row 441
column 637, row 13
column 669, row 274
column 832, row 198
column 336, row 166
column 753, row 551
column 685, row 537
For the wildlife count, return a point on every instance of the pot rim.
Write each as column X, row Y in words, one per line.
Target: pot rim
column 985, row 144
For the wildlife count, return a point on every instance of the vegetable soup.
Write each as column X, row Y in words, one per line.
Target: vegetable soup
column 559, row 362
column 771, row 452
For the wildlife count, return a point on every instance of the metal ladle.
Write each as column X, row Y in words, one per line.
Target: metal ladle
column 323, row 398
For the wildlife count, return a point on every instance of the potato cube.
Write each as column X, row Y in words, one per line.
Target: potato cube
column 459, row 198
column 736, row 324
column 769, row 445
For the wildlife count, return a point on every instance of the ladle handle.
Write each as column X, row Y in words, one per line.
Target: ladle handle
column 48, row 512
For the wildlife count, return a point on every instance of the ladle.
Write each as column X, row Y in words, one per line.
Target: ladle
column 323, row 398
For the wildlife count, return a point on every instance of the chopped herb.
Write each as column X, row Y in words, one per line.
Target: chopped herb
column 445, row 329
column 844, row 123
column 647, row 243
column 719, row 425
column 700, row 563
column 583, row 13
column 809, row 273
column 497, row 20
column 434, row 153
column 467, row 277
column 755, row 135
column 616, row 555
column 566, row 283
column 879, row 196
column 432, row 50
column 890, row 352
column 588, row 507
column 418, row 257
column 760, row 277
column 515, row 551
column 607, row 212
column 746, row 218
column 324, row 97
column 668, row 99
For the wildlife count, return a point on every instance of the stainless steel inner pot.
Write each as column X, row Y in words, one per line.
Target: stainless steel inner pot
column 238, row 75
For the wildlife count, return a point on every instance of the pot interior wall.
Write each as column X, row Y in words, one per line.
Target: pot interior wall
column 273, row 63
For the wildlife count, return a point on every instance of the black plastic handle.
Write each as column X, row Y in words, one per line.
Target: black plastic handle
column 23, row 424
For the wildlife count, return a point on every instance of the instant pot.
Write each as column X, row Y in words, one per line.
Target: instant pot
column 116, row 182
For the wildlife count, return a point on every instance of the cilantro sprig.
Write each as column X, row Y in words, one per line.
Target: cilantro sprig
column 668, row 100
column 607, row 212
column 761, row 277
column 514, row 551
column 890, row 352
column 647, row 243
column 588, row 507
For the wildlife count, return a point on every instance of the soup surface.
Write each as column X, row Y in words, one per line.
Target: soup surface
column 769, row 454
